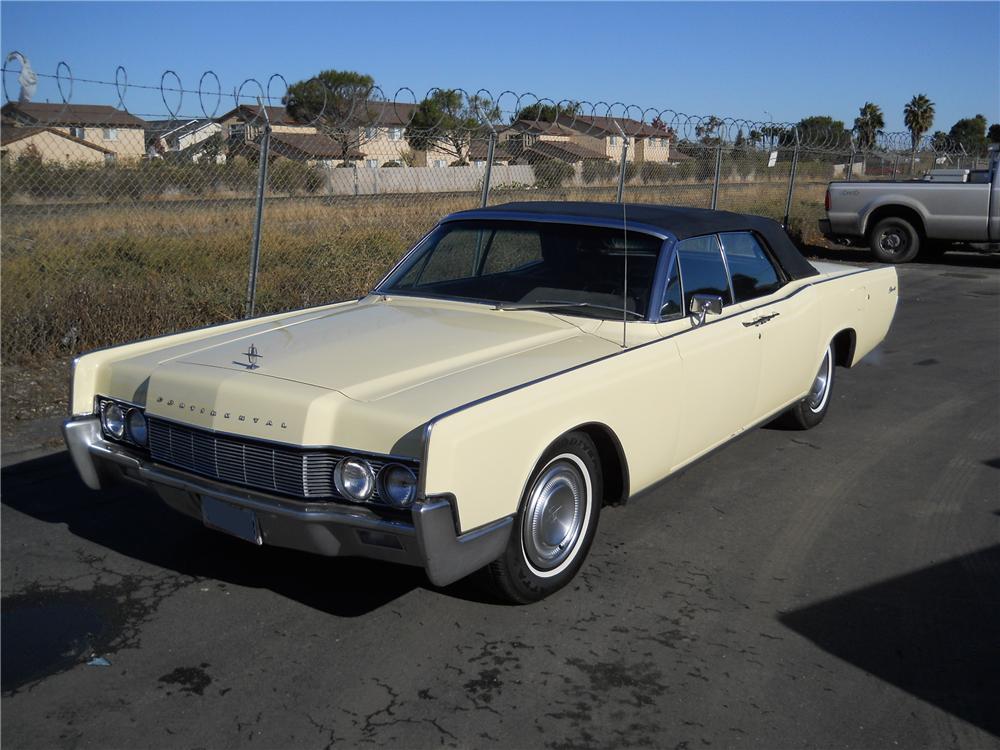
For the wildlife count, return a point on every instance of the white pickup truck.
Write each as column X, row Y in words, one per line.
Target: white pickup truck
column 899, row 220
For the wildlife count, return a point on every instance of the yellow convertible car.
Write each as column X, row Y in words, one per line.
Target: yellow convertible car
column 521, row 367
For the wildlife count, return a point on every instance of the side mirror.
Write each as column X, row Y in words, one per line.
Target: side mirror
column 703, row 304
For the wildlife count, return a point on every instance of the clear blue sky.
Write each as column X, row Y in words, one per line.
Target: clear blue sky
column 788, row 60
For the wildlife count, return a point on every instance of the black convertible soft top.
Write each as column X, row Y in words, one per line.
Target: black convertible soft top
column 680, row 221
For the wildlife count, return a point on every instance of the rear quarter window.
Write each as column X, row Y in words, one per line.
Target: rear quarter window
column 752, row 272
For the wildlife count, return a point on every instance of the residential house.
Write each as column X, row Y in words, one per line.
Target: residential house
column 50, row 145
column 118, row 132
column 187, row 139
column 529, row 141
column 601, row 134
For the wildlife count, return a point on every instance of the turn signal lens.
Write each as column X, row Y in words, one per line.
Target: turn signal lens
column 354, row 479
column 399, row 485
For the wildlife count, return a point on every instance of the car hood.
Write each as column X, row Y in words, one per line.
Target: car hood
column 378, row 348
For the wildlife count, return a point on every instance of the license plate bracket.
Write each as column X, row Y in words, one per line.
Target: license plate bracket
column 230, row 519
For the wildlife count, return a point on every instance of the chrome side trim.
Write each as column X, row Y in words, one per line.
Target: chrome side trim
column 429, row 426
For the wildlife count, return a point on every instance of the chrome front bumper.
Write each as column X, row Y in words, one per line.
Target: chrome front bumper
column 429, row 540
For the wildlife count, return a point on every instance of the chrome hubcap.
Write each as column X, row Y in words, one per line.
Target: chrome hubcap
column 892, row 241
column 821, row 385
column 554, row 515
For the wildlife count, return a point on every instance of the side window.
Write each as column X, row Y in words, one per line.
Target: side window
column 751, row 270
column 512, row 249
column 703, row 269
column 671, row 305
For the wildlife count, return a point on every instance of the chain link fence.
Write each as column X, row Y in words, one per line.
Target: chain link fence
column 117, row 226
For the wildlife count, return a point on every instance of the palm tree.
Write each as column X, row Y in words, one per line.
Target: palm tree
column 918, row 116
column 868, row 126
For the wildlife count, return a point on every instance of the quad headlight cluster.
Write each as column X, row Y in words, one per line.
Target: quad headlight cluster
column 124, row 422
column 356, row 480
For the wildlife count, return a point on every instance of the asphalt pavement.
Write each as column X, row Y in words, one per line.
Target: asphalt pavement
column 837, row 588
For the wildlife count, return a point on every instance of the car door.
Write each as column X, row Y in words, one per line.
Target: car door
column 785, row 321
column 721, row 358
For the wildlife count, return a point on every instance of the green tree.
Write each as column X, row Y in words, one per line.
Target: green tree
column 708, row 130
column 940, row 141
column 448, row 120
column 994, row 133
column 970, row 133
column 337, row 102
column 868, row 125
column 918, row 116
column 539, row 112
column 820, row 131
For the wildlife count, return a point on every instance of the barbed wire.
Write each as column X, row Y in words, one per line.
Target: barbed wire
column 474, row 114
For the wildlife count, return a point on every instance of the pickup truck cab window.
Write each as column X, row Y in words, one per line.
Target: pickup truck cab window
column 751, row 271
column 702, row 269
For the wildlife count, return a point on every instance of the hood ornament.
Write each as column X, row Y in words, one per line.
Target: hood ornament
column 252, row 356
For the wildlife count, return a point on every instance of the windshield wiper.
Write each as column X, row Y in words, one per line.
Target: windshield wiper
column 551, row 304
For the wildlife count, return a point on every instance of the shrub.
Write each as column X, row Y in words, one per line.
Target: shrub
column 652, row 171
column 295, row 177
column 598, row 171
column 552, row 173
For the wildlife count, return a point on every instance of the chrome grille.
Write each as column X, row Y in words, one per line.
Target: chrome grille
column 275, row 468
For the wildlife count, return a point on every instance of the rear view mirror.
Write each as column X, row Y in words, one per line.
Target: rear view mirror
column 703, row 304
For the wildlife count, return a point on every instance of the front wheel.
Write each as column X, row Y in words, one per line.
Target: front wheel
column 810, row 411
column 555, row 524
column 894, row 240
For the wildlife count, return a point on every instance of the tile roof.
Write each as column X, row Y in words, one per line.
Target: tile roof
column 567, row 151
column 541, row 128
column 600, row 126
column 71, row 114
column 312, row 146
column 478, row 151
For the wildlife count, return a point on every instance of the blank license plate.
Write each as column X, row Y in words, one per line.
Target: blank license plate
column 239, row 522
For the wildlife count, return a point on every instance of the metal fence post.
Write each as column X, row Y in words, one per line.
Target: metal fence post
column 489, row 167
column 265, row 144
column 621, row 167
column 791, row 180
column 850, row 164
column 718, row 170
column 895, row 166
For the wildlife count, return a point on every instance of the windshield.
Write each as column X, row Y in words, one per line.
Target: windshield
column 570, row 267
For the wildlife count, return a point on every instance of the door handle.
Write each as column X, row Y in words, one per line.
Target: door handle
column 761, row 320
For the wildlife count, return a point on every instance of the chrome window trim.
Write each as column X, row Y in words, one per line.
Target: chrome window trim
column 667, row 240
column 779, row 272
column 725, row 263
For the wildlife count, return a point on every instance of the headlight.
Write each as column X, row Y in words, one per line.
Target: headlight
column 136, row 425
column 354, row 479
column 399, row 485
column 113, row 419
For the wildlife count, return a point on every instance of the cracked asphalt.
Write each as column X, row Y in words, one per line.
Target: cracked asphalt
column 838, row 588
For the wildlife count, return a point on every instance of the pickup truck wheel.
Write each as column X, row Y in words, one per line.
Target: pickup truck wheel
column 810, row 411
column 555, row 525
column 894, row 240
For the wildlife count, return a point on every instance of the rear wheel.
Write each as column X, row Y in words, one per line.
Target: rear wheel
column 810, row 411
column 894, row 240
column 555, row 525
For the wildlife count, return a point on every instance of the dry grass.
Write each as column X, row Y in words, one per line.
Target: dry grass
column 80, row 278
